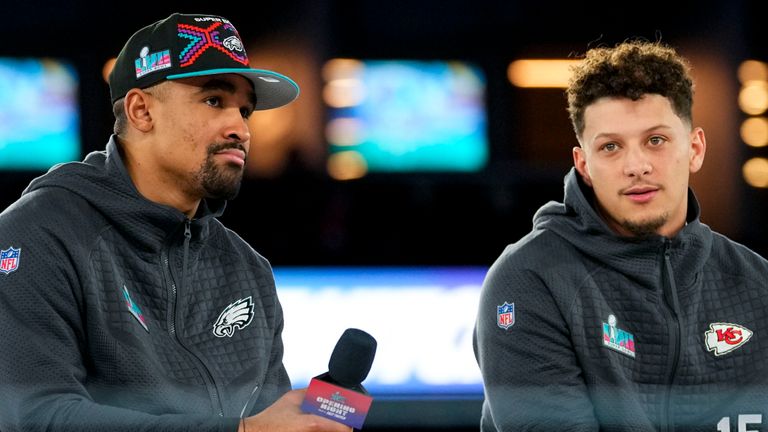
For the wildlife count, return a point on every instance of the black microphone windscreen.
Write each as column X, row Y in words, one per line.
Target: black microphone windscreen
column 352, row 357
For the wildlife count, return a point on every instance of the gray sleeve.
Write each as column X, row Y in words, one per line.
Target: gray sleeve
column 531, row 375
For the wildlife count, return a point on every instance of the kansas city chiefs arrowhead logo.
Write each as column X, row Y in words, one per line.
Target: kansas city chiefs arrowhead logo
column 723, row 338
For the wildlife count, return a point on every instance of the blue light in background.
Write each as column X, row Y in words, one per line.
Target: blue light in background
column 421, row 317
column 39, row 113
column 419, row 116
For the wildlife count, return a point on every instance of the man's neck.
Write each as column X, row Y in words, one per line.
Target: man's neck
column 152, row 185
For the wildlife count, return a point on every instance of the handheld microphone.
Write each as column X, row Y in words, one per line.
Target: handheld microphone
column 339, row 394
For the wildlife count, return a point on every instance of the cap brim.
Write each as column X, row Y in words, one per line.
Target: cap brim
column 272, row 89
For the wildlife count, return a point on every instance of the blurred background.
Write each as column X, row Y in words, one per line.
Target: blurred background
column 426, row 135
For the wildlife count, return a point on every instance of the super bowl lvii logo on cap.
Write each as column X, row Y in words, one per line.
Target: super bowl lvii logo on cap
column 151, row 62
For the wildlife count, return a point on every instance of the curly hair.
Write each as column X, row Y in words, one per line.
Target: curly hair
column 631, row 69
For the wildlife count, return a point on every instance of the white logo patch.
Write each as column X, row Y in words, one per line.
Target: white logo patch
column 233, row 43
column 723, row 338
column 236, row 316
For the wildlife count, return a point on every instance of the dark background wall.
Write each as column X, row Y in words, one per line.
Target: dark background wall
column 298, row 215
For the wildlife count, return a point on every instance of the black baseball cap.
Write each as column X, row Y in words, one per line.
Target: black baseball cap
column 186, row 45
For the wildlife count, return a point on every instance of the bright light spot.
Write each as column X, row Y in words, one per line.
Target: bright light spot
column 344, row 92
column 752, row 70
column 347, row 165
column 335, row 69
column 755, row 172
column 540, row 73
column 107, row 69
column 344, row 132
column 753, row 97
column 754, row 131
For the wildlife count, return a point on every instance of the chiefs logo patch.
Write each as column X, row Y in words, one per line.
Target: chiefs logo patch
column 722, row 338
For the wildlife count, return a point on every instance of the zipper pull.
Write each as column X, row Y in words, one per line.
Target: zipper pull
column 667, row 247
column 188, row 229
column 248, row 402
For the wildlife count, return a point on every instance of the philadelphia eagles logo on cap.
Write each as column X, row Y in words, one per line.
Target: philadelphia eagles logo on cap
column 214, row 36
column 233, row 43
column 182, row 46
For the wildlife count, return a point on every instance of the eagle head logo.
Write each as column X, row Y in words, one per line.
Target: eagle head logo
column 233, row 43
column 236, row 316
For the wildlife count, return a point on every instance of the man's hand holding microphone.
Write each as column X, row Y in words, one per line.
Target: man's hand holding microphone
column 335, row 401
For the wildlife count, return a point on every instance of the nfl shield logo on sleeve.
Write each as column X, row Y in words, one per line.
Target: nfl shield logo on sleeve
column 9, row 260
column 505, row 315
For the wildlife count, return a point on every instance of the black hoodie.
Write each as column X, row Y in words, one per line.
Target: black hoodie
column 581, row 329
column 120, row 314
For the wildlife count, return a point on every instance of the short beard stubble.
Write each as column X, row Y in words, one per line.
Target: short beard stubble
column 219, row 182
column 646, row 228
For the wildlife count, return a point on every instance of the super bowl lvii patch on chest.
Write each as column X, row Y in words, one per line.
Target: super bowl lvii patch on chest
column 618, row 339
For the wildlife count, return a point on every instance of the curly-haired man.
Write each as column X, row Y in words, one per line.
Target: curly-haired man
column 620, row 310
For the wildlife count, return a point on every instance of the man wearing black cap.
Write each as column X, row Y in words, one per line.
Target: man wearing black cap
column 124, row 303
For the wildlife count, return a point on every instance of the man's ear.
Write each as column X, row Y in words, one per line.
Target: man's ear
column 698, row 149
column 580, row 163
column 137, row 103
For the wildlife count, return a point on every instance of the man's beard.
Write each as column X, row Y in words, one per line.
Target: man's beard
column 645, row 228
column 219, row 182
